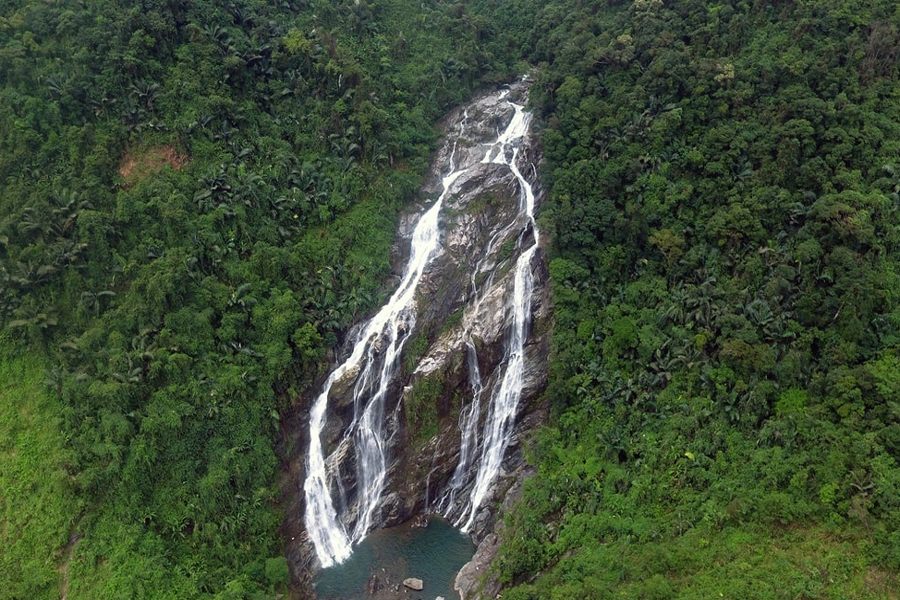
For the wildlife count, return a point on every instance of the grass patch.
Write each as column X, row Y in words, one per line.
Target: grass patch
column 507, row 249
column 452, row 320
column 746, row 563
column 421, row 407
column 480, row 204
column 415, row 350
column 38, row 505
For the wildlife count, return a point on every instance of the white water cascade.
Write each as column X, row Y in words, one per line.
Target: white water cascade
column 504, row 401
column 335, row 522
column 374, row 356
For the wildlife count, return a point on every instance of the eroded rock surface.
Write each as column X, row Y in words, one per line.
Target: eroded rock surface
column 467, row 295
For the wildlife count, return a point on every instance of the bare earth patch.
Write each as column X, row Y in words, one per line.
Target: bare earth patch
column 139, row 163
column 881, row 582
column 64, row 569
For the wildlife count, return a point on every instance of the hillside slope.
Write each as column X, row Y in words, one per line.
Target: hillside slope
column 196, row 201
column 724, row 199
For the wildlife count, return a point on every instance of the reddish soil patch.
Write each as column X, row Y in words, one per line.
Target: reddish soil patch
column 137, row 164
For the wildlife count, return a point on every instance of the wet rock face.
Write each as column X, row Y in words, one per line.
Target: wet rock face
column 462, row 298
column 468, row 582
column 467, row 291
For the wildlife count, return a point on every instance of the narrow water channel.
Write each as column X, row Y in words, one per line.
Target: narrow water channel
column 382, row 560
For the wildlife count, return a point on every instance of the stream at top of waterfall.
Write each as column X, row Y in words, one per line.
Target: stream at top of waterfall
column 379, row 564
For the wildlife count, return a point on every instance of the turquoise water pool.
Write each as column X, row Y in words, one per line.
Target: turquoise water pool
column 386, row 557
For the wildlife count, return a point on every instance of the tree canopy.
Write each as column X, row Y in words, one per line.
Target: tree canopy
column 724, row 205
column 196, row 201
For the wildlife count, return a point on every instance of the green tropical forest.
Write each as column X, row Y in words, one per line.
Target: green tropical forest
column 199, row 199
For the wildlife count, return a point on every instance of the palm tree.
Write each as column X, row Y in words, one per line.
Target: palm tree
column 54, row 379
column 56, row 86
column 241, row 298
column 144, row 93
column 677, row 310
column 68, row 206
column 33, row 321
column 33, row 221
column 94, row 300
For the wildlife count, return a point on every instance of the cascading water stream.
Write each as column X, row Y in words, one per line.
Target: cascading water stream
column 374, row 354
column 468, row 425
column 505, row 398
column 334, row 520
column 390, row 328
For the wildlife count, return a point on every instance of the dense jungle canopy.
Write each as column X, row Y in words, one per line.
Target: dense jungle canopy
column 197, row 199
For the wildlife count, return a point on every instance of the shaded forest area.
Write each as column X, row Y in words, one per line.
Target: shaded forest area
column 198, row 199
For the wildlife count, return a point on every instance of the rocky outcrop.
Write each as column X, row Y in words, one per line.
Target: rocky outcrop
column 476, row 580
column 473, row 580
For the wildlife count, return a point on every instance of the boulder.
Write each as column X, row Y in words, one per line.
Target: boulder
column 414, row 584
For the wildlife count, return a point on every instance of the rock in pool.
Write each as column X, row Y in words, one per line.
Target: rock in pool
column 414, row 584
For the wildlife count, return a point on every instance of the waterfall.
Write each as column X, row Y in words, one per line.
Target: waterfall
column 335, row 521
column 374, row 355
column 505, row 398
column 374, row 358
